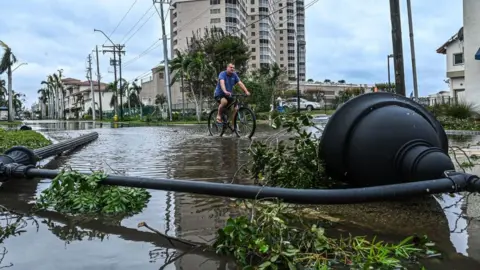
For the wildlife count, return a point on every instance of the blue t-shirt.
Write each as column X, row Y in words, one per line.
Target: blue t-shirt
column 230, row 82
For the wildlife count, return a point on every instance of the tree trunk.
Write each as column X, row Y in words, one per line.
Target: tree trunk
column 11, row 114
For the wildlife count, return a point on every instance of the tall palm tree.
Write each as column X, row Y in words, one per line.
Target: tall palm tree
column 49, row 84
column 44, row 100
column 6, row 63
column 112, row 87
column 136, row 89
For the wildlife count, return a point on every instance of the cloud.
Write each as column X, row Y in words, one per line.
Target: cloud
column 346, row 39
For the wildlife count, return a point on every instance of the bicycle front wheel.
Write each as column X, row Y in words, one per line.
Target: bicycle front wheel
column 245, row 122
column 213, row 128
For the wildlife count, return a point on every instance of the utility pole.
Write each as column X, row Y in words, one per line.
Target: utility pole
column 412, row 49
column 98, row 82
column 90, row 78
column 120, row 51
column 117, row 49
column 397, row 47
column 113, row 62
column 165, row 57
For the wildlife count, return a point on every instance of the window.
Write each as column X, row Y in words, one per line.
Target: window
column 282, row 65
column 253, row 34
column 457, row 59
column 281, row 31
column 281, row 58
column 252, row 2
column 253, row 25
column 252, row 10
column 281, row 52
column 254, row 65
column 254, row 57
column 281, row 25
column 214, row 2
column 252, row 17
column 215, row 20
column 280, row 5
column 252, row 42
column 280, row 18
column 281, row 38
column 254, row 49
column 215, row 11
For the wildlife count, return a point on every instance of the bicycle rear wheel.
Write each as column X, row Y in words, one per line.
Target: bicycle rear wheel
column 213, row 128
column 245, row 122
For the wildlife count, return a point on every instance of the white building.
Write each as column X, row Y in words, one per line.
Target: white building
column 442, row 97
column 453, row 49
column 272, row 29
column 471, row 44
column 78, row 98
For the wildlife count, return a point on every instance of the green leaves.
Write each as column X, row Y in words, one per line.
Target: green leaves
column 74, row 193
column 293, row 163
column 276, row 240
column 28, row 138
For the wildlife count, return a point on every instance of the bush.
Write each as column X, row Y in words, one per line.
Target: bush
column 450, row 123
column 28, row 138
column 459, row 110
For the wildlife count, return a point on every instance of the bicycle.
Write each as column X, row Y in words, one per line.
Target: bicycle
column 241, row 117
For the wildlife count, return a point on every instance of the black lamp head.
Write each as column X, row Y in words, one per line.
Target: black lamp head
column 384, row 138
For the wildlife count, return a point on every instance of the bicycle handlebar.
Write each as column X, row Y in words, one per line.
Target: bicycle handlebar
column 238, row 95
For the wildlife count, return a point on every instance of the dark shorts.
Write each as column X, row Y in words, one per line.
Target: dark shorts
column 229, row 99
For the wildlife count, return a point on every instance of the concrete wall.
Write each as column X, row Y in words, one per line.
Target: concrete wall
column 471, row 30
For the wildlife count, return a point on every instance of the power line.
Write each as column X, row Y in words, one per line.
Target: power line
column 120, row 22
column 138, row 29
column 152, row 47
column 133, row 27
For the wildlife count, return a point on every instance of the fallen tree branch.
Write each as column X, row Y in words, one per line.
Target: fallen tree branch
column 172, row 240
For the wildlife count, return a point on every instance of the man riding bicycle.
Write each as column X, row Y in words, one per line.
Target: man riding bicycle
column 227, row 79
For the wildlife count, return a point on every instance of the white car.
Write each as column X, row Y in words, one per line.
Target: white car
column 304, row 104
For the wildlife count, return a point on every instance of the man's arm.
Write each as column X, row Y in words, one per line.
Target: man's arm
column 245, row 90
column 239, row 82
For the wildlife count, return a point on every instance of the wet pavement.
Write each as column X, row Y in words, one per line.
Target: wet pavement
column 186, row 152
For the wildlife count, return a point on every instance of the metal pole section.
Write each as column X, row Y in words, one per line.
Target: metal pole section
column 166, row 62
column 298, row 77
column 90, row 78
column 183, row 98
column 388, row 67
column 25, row 156
column 98, row 82
column 397, row 47
column 461, row 182
column 121, row 83
column 412, row 49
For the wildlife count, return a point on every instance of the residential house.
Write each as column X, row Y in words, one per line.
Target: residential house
column 455, row 69
column 78, row 97
column 155, row 84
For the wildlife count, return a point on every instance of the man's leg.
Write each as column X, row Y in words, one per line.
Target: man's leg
column 223, row 103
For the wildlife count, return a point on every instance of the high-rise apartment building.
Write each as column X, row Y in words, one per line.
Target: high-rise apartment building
column 273, row 29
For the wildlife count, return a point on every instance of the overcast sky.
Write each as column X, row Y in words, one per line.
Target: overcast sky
column 346, row 39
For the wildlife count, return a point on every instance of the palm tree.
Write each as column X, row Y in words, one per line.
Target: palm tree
column 136, row 89
column 49, row 83
column 112, row 87
column 8, row 59
column 43, row 99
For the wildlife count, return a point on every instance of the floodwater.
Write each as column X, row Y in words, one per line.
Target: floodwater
column 186, row 152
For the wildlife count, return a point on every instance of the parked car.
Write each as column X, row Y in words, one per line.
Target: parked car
column 304, row 104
